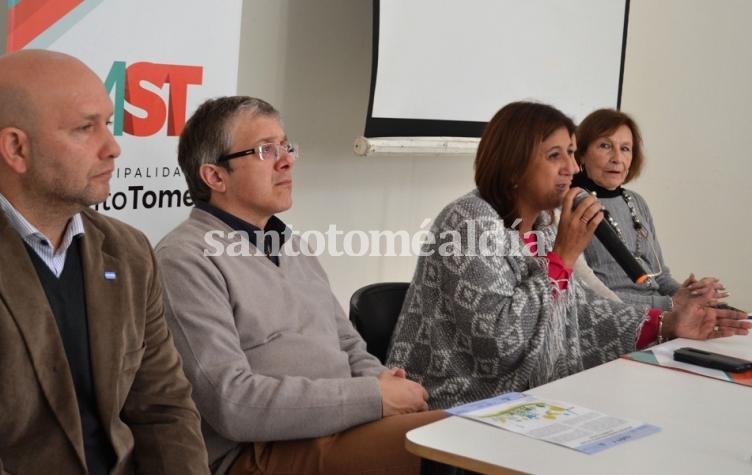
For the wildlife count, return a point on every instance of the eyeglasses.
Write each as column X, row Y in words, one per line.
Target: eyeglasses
column 272, row 151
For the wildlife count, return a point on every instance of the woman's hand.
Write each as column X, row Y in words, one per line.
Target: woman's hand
column 708, row 287
column 694, row 319
column 708, row 290
column 576, row 226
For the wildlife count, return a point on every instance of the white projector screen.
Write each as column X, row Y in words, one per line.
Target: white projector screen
column 444, row 67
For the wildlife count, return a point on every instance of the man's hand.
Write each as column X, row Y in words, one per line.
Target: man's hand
column 400, row 395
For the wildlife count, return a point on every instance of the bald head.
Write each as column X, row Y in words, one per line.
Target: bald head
column 56, row 148
column 30, row 79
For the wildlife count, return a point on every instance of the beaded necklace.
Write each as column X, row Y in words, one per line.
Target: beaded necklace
column 642, row 234
column 636, row 223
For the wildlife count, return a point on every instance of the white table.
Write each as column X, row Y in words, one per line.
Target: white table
column 706, row 424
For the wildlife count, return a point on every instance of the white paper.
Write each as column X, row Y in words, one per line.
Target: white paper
column 560, row 423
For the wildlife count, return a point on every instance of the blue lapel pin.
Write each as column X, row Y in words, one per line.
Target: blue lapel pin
column 110, row 275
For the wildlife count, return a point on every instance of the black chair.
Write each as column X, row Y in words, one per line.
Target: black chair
column 374, row 310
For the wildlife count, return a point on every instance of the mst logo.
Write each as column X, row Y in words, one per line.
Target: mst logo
column 142, row 86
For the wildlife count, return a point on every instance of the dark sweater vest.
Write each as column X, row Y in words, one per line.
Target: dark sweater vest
column 68, row 303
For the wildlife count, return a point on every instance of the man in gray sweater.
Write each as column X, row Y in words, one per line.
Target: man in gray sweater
column 282, row 380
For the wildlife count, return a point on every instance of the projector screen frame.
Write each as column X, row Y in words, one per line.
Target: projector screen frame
column 397, row 127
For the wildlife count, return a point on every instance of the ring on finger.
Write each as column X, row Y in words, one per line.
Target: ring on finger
column 584, row 219
column 716, row 328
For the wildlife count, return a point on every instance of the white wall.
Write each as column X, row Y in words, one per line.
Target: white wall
column 687, row 82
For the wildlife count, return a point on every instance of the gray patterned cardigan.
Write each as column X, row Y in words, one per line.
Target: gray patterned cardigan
column 475, row 325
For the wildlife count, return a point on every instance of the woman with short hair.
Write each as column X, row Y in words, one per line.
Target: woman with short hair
column 610, row 155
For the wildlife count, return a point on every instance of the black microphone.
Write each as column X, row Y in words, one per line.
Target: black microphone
column 610, row 239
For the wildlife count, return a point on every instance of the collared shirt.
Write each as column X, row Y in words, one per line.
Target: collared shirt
column 53, row 258
column 275, row 230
